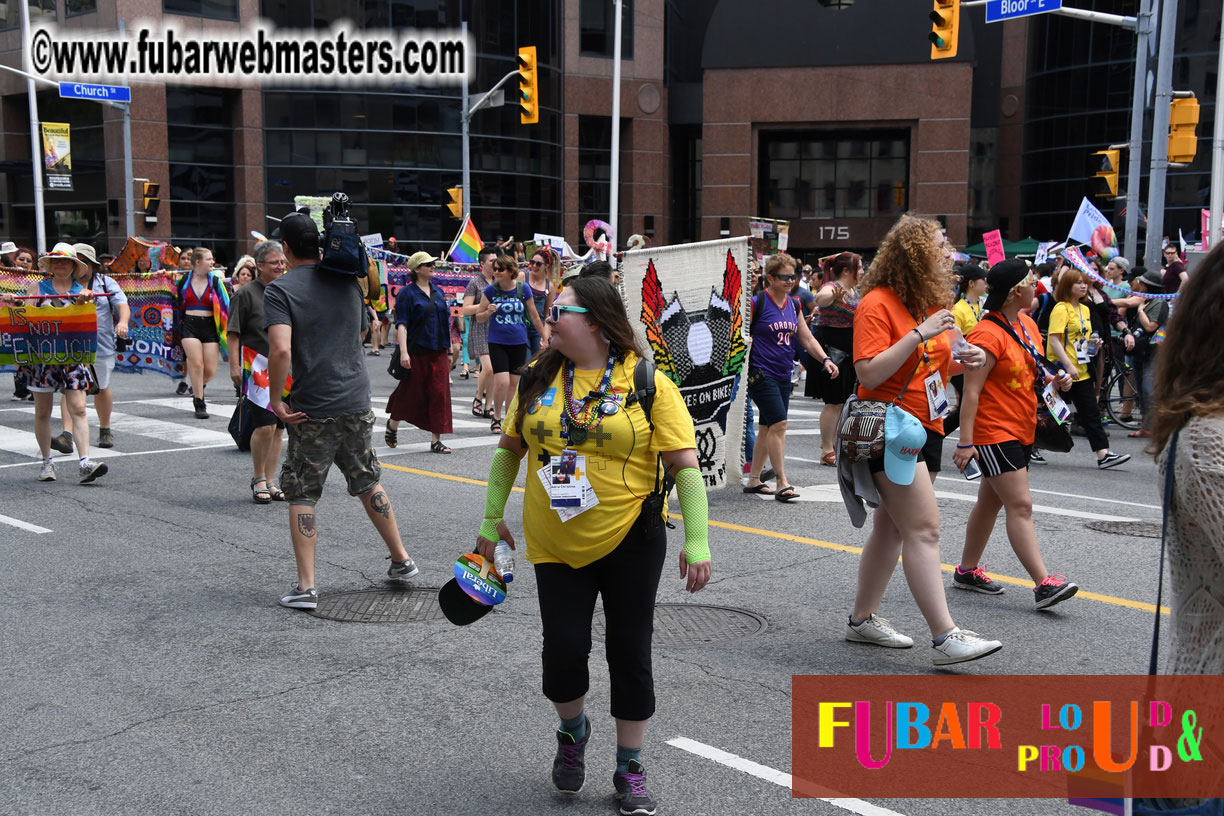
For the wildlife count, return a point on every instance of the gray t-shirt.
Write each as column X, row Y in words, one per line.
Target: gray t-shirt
column 246, row 318
column 324, row 310
column 107, row 308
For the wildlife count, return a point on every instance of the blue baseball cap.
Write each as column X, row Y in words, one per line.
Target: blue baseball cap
column 904, row 437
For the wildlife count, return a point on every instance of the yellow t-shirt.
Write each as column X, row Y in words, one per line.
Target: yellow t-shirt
column 967, row 315
column 621, row 455
column 1070, row 324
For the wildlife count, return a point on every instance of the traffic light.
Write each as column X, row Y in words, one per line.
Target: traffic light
column 455, row 205
column 945, row 23
column 150, row 201
column 1108, row 170
column 529, row 86
column 1183, row 119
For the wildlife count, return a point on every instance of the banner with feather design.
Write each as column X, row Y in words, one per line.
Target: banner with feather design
column 690, row 305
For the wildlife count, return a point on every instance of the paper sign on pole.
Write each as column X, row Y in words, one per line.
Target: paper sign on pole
column 57, row 155
column 993, row 241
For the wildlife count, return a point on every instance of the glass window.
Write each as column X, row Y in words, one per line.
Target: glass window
column 75, row 7
column 201, row 174
column 216, row 9
column 596, row 31
column 834, row 174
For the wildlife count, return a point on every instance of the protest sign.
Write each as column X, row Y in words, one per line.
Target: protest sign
column 49, row 335
column 993, row 242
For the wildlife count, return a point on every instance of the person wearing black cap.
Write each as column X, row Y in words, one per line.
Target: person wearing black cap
column 998, row 426
column 313, row 318
column 1151, row 314
column 970, row 286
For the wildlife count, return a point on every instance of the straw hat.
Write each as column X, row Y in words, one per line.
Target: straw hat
column 61, row 250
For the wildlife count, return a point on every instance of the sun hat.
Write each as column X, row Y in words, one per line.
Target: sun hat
column 421, row 257
column 85, row 252
column 61, row 250
column 1000, row 280
column 904, row 437
column 1152, row 279
column 8, row 248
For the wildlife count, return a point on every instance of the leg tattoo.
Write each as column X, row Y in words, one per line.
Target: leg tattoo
column 306, row 524
column 380, row 504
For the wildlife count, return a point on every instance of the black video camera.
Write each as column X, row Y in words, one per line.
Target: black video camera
column 343, row 252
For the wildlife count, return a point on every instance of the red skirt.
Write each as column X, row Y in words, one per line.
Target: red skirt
column 424, row 399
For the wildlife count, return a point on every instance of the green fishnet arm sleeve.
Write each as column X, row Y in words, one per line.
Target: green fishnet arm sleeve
column 502, row 473
column 695, row 507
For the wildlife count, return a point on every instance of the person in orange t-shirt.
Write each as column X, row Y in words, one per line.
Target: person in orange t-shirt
column 998, row 425
column 900, row 349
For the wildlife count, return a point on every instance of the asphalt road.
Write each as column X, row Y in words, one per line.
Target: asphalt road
column 147, row 668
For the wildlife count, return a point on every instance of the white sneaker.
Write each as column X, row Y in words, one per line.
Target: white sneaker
column 47, row 472
column 962, row 645
column 878, row 631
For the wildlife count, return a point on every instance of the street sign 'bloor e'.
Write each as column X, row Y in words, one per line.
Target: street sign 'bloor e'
column 999, row 10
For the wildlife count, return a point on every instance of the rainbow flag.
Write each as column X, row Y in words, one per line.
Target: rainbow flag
column 255, row 380
column 467, row 245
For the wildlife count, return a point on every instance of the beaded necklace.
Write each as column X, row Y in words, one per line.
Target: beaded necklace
column 584, row 414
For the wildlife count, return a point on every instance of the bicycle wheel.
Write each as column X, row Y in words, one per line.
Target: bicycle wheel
column 1120, row 391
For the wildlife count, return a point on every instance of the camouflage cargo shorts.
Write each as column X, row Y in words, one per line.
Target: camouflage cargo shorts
column 315, row 445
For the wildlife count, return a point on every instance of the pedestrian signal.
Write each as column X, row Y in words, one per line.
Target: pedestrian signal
column 529, row 86
column 945, row 22
column 1107, row 171
column 150, row 201
column 1183, row 120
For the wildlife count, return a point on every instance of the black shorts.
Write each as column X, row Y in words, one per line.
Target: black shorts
column 199, row 328
column 507, row 358
column 1004, row 457
column 261, row 418
column 932, row 454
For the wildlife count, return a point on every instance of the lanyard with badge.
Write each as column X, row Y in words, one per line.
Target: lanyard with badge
column 1081, row 345
column 1049, row 395
column 933, row 385
column 569, row 490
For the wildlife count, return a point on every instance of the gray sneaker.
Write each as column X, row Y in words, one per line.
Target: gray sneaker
column 47, row 472
column 297, row 598
column 569, row 765
column 92, row 471
column 62, row 443
column 635, row 799
column 878, row 631
column 402, row 570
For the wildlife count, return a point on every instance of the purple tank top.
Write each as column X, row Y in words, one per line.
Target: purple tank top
column 772, row 333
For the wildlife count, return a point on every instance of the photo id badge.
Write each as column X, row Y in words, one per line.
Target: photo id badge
column 1081, row 353
column 1058, row 407
column 565, row 487
column 937, row 396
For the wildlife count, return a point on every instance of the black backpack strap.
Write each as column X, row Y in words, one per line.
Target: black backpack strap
column 1042, row 365
column 1164, row 526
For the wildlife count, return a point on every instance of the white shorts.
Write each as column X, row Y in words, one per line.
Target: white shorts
column 102, row 369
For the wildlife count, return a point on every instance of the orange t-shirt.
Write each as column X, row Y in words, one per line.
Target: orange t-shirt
column 1007, row 407
column 880, row 320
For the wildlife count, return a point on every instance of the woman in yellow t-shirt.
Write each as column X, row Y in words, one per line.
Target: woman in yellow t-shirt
column 1070, row 347
column 967, row 311
column 578, row 398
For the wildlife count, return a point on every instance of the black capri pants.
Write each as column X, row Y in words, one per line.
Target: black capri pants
column 628, row 580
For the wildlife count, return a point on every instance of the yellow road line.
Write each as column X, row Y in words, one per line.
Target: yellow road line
column 824, row 545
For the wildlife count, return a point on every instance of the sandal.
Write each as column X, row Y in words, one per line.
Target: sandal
column 829, row 459
column 761, row 488
column 478, row 408
column 260, row 495
column 495, row 426
column 787, row 494
column 767, row 475
column 277, row 493
column 465, row 373
column 438, row 447
column 1139, row 434
column 391, row 437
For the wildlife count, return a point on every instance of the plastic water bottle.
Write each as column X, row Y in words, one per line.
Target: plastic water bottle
column 503, row 561
column 1094, row 343
column 960, row 346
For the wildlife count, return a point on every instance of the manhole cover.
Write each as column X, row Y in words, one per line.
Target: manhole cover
column 1143, row 529
column 381, row 605
column 687, row 624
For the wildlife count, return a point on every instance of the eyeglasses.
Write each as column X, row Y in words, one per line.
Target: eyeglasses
column 538, row 263
column 785, row 277
column 554, row 314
